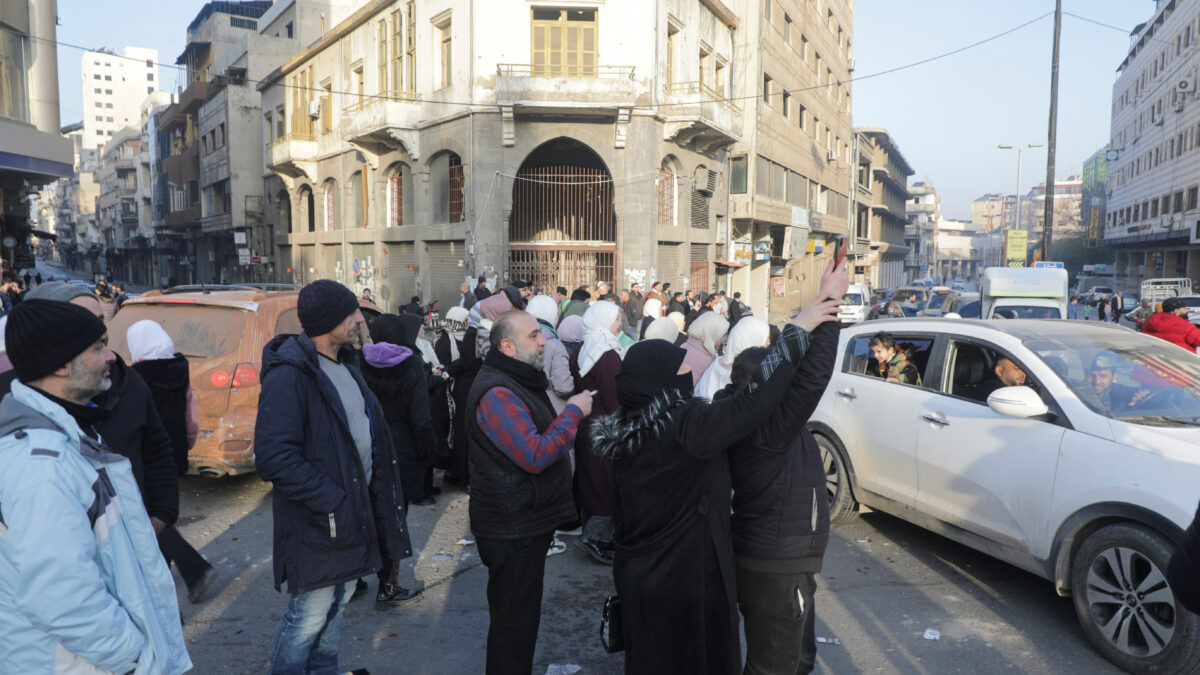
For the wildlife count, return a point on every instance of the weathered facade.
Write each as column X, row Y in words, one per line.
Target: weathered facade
column 418, row 144
column 881, row 224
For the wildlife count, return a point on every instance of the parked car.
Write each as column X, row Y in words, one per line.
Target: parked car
column 942, row 300
column 1097, row 294
column 1061, row 477
column 958, row 284
column 222, row 331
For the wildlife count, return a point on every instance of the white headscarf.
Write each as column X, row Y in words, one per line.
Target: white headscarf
column 751, row 331
column 598, row 337
column 708, row 328
column 148, row 341
column 543, row 308
column 662, row 329
column 652, row 308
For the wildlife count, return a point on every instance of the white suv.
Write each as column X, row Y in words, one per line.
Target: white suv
column 1086, row 475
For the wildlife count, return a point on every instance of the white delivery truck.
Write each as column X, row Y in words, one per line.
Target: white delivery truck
column 1024, row 293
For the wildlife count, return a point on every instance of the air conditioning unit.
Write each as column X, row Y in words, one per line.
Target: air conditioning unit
column 1179, row 105
column 314, row 109
column 1158, row 121
column 1186, row 85
column 831, row 155
column 850, row 65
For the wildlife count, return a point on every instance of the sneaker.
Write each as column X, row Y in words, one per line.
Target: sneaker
column 601, row 553
column 393, row 596
column 556, row 547
column 197, row 590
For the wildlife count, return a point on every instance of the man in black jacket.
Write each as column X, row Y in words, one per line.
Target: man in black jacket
column 481, row 291
column 520, row 482
column 128, row 422
column 323, row 441
column 780, row 520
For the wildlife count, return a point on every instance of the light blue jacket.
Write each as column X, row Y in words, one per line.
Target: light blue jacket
column 83, row 587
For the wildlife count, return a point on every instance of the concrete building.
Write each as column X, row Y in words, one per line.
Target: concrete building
column 989, row 210
column 883, row 213
column 1068, row 195
column 958, row 251
column 790, row 177
column 924, row 211
column 33, row 151
column 419, row 143
column 117, row 207
column 114, row 86
column 1154, row 166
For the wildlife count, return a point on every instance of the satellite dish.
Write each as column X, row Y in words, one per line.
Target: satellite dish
column 1112, row 155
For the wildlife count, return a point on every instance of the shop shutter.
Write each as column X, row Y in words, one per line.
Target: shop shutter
column 447, row 265
column 401, row 281
column 331, row 256
column 670, row 265
column 699, row 277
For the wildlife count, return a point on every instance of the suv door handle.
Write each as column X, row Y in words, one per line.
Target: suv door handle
column 848, row 393
column 936, row 419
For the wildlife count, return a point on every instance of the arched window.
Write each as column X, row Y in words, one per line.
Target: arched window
column 446, row 173
column 666, row 194
column 399, row 196
column 308, row 207
column 285, row 211
column 330, row 204
column 357, row 207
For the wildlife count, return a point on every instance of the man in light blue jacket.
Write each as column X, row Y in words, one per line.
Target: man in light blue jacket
column 83, row 587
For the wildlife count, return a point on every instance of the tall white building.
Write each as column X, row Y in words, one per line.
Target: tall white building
column 114, row 86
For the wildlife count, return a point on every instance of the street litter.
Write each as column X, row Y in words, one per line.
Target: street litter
column 829, row 641
column 465, row 542
column 931, row 634
column 559, row 669
column 442, row 556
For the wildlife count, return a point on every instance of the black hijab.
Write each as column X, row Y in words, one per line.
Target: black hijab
column 649, row 369
column 399, row 330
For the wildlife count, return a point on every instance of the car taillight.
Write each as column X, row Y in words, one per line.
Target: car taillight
column 246, row 375
column 219, row 379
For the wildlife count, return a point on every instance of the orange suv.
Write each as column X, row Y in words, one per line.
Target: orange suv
column 222, row 331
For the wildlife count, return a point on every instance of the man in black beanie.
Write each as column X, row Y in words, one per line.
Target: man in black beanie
column 82, row 583
column 322, row 440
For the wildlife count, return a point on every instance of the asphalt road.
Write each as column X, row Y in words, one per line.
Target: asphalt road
column 884, row 583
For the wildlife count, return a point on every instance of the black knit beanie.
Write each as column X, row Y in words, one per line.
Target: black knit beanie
column 322, row 305
column 44, row 335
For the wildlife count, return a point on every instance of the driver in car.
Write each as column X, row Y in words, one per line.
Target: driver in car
column 1102, row 380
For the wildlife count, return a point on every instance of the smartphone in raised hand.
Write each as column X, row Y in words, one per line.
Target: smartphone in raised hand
column 839, row 254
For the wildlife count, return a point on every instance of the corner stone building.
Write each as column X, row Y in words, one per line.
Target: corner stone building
column 419, row 144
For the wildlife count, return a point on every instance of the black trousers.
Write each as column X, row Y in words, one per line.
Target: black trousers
column 515, row 575
column 176, row 550
column 780, row 622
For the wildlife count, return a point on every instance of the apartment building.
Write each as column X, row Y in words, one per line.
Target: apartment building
column 959, row 252
column 33, row 151
column 114, row 86
column 1068, row 195
column 924, row 212
column 117, row 206
column 1153, row 211
column 421, row 142
column 791, row 174
column 882, row 212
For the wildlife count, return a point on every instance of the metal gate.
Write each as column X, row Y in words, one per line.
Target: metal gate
column 285, row 267
column 331, row 255
column 699, row 270
column 562, row 230
column 670, row 267
column 447, row 270
column 308, row 265
column 401, row 282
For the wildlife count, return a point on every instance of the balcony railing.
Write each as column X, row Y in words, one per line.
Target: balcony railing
column 365, row 101
column 561, row 70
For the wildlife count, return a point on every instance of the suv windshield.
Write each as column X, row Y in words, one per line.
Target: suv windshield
column 1134, row 378
column 937, row 300
column 198, row 331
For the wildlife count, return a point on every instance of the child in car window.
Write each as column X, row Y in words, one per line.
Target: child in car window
column 894, row 364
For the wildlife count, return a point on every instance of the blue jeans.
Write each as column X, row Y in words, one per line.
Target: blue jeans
column 307, row 642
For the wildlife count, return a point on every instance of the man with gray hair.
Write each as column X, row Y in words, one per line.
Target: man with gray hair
column 520, row 482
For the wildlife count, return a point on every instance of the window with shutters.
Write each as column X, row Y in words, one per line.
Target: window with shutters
column 410, row 48
column 445, row 38
column 397, row 51
column 564, row 42
column 397, row 207
column 672, row 52
column 702, row 192
column 666, row 197
column 327, row 108
column 381, row 57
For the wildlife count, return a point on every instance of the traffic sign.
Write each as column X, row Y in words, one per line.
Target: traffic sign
column 1048, row 263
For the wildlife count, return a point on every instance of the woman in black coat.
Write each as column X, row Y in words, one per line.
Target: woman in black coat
column 673, row 565
column 463, row 370
column 399, row 378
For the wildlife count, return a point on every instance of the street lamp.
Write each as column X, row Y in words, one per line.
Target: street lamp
column 1019, row 149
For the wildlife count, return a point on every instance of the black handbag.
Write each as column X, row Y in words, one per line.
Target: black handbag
column 612, row 633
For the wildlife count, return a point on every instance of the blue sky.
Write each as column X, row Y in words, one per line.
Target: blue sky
column 947, row 116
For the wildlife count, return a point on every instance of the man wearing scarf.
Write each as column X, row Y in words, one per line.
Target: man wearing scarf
column 520, row 482
column 673, row 566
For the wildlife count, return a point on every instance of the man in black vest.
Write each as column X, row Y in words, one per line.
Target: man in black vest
column 520, row 482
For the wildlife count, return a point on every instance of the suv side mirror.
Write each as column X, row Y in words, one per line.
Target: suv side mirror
column 1019, row 402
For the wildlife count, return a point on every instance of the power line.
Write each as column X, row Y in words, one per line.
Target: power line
column 644, row 106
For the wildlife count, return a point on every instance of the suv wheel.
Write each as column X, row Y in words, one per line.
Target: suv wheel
column 842, row 507
column 1125, row 605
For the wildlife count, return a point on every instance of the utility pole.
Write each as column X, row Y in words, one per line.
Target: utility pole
column 1048, row 214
